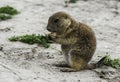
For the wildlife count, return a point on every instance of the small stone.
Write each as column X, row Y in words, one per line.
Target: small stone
column 50, row 57
column 1, row 48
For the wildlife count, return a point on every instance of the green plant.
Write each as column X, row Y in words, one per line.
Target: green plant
column 8, row 10
column 115, row 63
column 31, row 39
column 5, row 16
column 73, row 1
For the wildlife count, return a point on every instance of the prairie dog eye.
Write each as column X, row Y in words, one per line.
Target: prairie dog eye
column 66, row 17
column 56, row 20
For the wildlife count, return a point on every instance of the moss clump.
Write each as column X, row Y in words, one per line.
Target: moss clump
column 115, row 63
column 73, row 1
column 31, row 39
column 5, row 16
column 7, row 12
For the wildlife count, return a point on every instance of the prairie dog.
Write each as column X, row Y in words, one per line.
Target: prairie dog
column 78, row 41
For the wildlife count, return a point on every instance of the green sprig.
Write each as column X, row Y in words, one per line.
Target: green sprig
column 115, row 63
column 8, row 10
column 73, row 1
column 5, row 16
column 33, row 38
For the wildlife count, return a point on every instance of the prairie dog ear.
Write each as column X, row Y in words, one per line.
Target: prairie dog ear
column 67, row 23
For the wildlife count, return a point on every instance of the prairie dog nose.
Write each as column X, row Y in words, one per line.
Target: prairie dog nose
column 51, row 29
column 48, row 28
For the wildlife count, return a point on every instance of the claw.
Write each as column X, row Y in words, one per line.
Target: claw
column 68, row 70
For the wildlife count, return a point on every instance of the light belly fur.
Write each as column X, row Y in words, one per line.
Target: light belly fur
column 68, row 58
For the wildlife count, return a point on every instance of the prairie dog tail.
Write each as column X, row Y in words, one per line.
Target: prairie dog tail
column 96, row 65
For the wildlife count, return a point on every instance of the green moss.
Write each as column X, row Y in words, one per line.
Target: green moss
column 8, row 10
column 5, row 16
column 115, row 63
column 31, row 39
column 73, row 1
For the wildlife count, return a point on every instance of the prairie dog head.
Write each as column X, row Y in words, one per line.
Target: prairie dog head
column 59, row 23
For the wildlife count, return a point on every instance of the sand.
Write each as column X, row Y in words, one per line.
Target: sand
column 20, row 62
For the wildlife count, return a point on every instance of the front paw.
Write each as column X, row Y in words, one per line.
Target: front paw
column 52, row 36
column 61, row 65
column 68, row 70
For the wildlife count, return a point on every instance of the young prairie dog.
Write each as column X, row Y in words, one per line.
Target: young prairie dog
column 78, row 41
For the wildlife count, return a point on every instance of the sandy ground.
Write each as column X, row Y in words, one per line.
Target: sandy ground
column 21, row 62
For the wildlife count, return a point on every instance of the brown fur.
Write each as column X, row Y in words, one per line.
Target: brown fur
column 77, row 40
